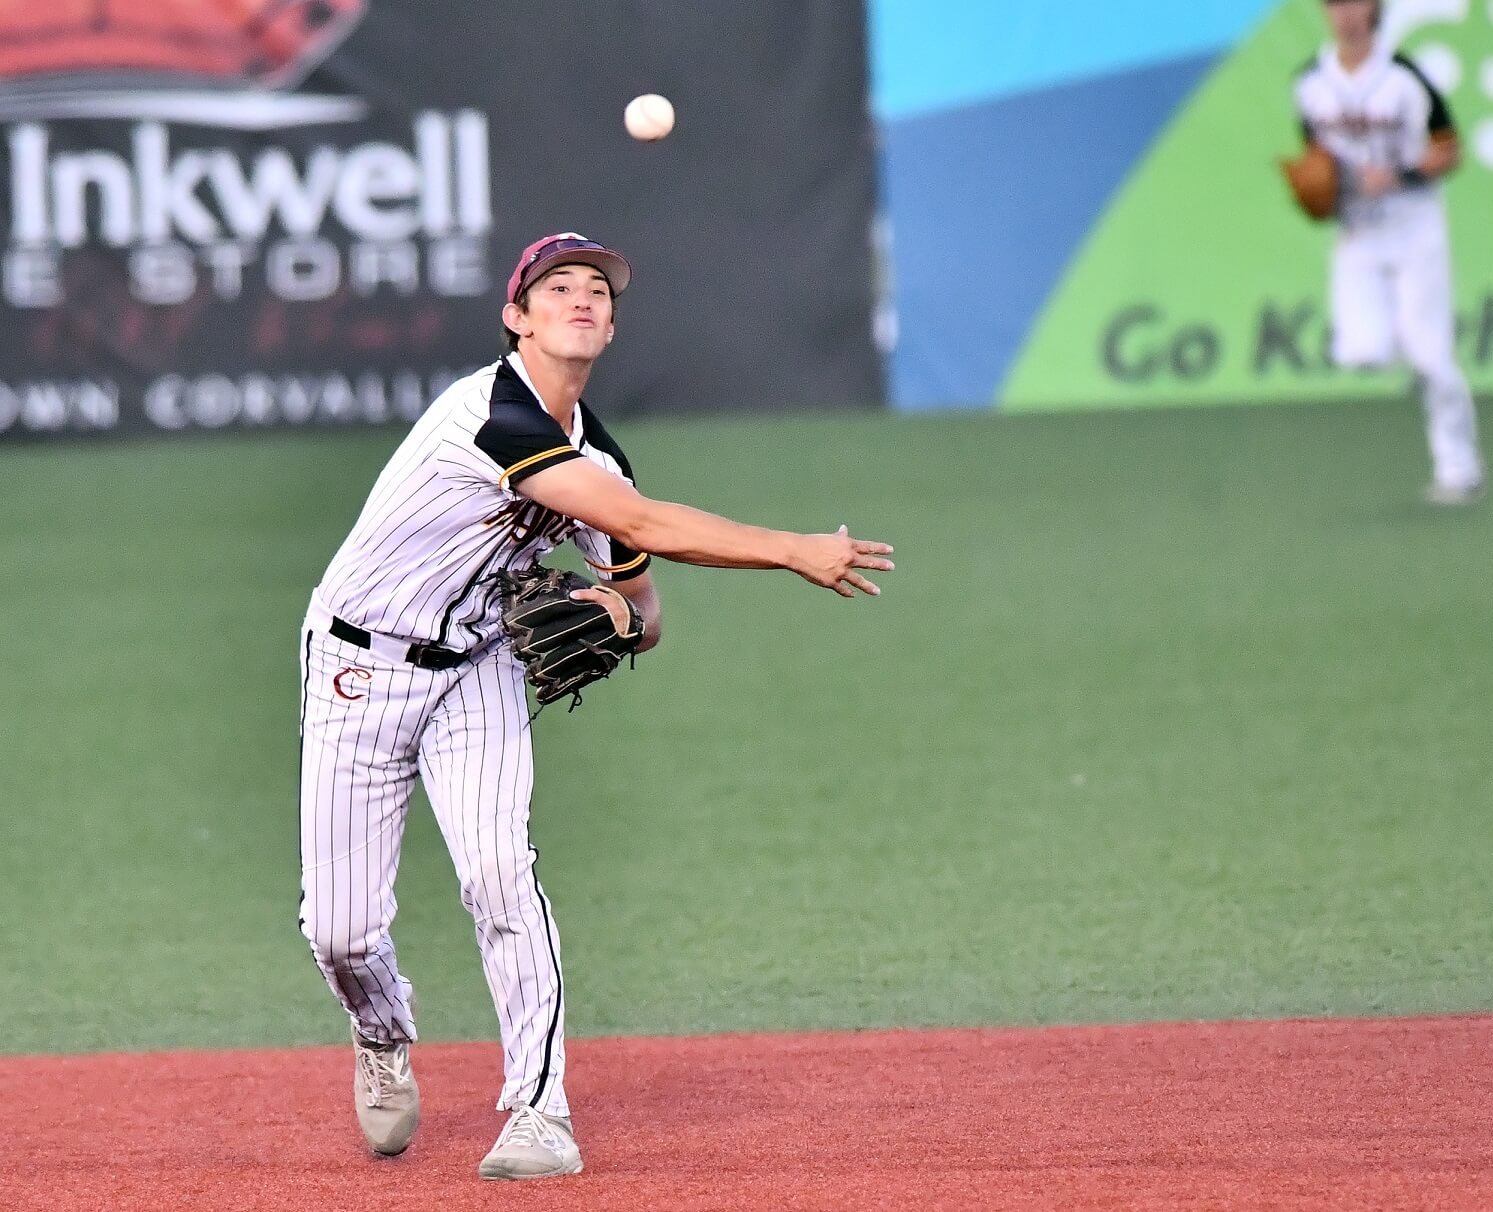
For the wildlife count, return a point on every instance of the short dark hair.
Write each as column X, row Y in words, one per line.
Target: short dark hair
column 522, row 303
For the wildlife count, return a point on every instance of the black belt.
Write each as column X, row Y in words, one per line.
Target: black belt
column 426, row 656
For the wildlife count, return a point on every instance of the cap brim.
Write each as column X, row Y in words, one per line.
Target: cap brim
column 613, row 264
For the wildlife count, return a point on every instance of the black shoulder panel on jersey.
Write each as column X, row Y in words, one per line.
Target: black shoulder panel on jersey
column 507, row 387
column 518, row 435
column 1440, row 121
column 595, row 434
column 625, row 563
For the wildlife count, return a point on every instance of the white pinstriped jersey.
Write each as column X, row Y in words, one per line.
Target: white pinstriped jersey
column 1384, row 112
column 444, row 516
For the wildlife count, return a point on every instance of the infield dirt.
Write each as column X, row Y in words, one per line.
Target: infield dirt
column 1361, row 1115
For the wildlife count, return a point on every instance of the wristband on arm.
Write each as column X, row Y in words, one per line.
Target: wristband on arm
column 1412, row 177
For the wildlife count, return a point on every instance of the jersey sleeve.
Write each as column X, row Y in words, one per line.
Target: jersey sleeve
column 611, row 559
column 1439, row 121
column 521, row 440
column 1432, row 109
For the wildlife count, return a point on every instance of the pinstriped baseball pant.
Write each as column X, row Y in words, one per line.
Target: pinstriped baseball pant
column 368, row 728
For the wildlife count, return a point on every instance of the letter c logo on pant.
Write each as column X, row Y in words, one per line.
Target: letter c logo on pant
column 343, row 691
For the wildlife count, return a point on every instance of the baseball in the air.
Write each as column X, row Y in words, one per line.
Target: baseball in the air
column 649, row 117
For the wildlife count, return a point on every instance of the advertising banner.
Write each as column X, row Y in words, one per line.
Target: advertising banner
column 223, row 213
column 1122, row 181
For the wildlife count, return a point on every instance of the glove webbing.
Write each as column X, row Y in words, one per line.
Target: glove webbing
column 575, row 695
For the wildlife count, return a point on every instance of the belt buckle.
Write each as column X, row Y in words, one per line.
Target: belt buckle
column 432, row 656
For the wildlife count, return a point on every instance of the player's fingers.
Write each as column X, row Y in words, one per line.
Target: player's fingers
column 860, row 582
column 865, row 561
column 843, row 529
column 615, row 605
column 868, row 548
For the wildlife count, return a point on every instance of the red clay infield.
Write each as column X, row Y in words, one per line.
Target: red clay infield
column 1300, row 1115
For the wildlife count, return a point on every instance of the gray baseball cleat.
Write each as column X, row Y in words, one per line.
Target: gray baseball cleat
column 532, row 1145
column 387, row 1098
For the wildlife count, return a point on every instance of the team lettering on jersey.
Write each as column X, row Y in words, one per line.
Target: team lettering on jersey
column 1358, row 125
column 525, row 521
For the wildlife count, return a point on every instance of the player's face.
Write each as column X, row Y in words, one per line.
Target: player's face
column 1351, row 20
column 570, row 313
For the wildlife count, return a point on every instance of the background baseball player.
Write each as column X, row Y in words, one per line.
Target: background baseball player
column 406, row 672
column 1391, row 286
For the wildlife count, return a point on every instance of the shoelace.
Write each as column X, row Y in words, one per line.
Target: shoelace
column 528, row 1129
column 377, row 1066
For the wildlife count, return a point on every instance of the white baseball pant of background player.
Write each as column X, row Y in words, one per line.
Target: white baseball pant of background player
column 1392, row 299
column 363, row 721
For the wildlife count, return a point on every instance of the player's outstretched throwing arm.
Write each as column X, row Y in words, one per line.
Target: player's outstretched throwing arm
column 579, row 489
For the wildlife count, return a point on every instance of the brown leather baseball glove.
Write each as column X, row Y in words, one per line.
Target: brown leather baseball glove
column 1315, row 180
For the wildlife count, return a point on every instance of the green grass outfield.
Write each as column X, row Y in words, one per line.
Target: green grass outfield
column 1163, row 715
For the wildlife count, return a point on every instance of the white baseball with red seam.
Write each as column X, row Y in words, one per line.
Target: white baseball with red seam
column 649, row 117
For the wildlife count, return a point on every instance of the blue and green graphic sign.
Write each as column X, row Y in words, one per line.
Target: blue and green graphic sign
column 1085, row 208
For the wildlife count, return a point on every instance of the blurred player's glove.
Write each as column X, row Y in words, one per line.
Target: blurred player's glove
column 565, row 644
column 1315, row 180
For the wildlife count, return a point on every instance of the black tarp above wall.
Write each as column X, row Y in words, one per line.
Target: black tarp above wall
column 309, row 216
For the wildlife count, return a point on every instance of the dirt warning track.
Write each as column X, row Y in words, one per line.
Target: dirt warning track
column 1394, row 1114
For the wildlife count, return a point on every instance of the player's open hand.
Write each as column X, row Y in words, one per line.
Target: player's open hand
column 831, row 561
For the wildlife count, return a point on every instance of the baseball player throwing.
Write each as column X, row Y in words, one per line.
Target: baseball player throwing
column 406, row 672
column 1391, row 287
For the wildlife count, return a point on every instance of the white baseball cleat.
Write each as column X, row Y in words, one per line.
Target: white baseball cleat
column 387, row 1098
column 1455, row 494
column 532, row 1145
